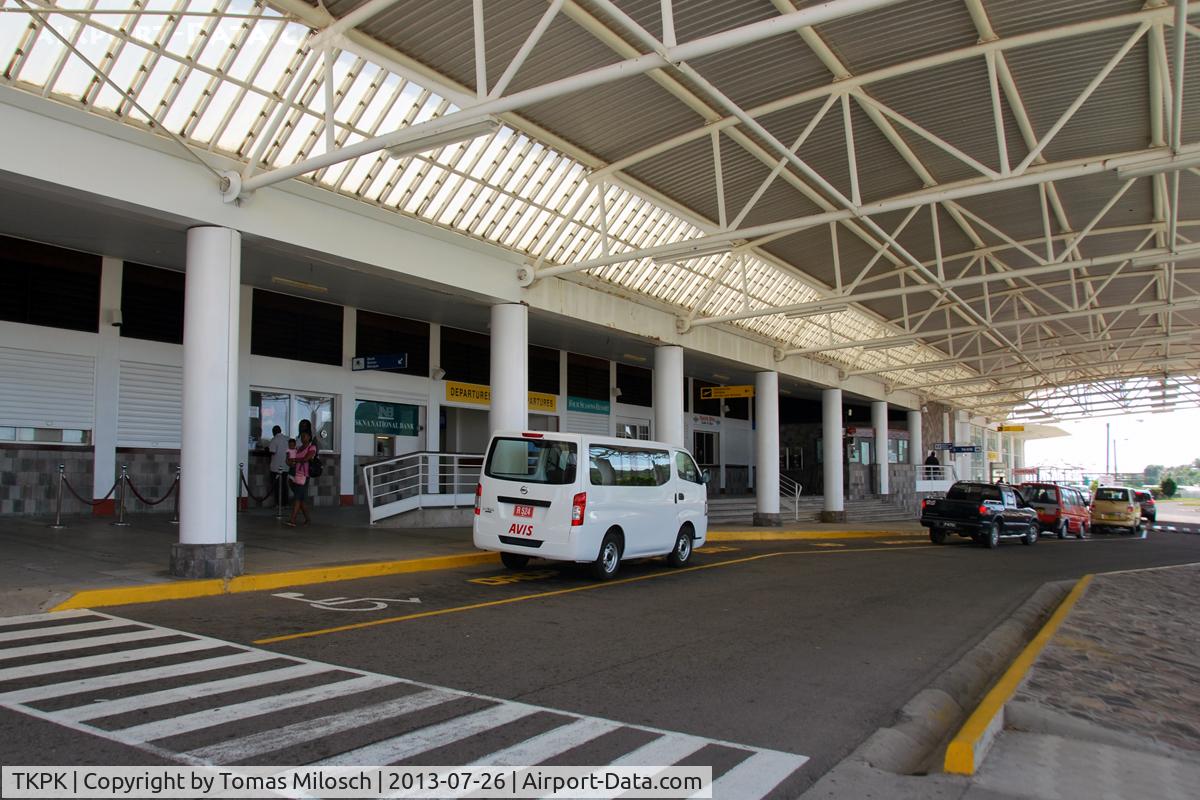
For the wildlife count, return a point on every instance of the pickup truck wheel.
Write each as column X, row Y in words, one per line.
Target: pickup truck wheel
column 1031, row 535
column 1061, row 532
column 936, row 536
column 992, row 539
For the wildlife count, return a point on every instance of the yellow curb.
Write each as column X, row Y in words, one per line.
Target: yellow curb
column 183, row 590
column 792, row 536
column 969, row 746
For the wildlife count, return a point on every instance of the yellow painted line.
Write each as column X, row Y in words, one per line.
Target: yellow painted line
column 969, row 746
column 797, row 536
column 559, row 592
column 183, row 590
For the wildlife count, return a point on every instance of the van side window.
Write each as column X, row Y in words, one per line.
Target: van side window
column 620, row 465
column 686, row 467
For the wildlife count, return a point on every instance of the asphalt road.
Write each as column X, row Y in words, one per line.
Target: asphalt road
column 803, row 648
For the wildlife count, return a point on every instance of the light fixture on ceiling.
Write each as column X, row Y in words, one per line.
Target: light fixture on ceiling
column 437, row 373
column 294, row 284
column 451, row 134
column 692, row 248
column 632, row 357
column 801, row 313
column 616, row 391
column 721, row 377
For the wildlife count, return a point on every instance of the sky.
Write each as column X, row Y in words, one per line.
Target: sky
column 1140, row 439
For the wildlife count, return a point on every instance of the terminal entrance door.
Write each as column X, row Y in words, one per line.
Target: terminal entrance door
column 705, row 447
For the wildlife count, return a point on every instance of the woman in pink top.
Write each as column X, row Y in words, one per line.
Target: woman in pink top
column 304, row 454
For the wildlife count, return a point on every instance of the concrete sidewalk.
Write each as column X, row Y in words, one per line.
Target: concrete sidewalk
column 40, row 567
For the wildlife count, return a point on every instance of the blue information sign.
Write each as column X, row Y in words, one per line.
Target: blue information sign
column 386, row 361
column 966, row 448
column 942, row 445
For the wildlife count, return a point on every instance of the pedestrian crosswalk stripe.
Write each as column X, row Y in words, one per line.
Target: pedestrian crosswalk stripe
column 398, row 748
column 346, row 701
column 282, row 738
column 182, row 694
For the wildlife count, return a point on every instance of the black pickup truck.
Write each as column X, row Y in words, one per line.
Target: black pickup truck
column 985, row 512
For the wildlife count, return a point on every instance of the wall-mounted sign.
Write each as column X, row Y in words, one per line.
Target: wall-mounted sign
column 386, row 419
column 1011, row 428
column 587, row 405
column 966, row 448
column 942, row 446
column 386, row 361
column 474, row 393
column 722, row 392
column 543, row 403
column 992, row 456
column 706, row 421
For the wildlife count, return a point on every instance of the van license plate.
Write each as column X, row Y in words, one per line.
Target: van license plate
column 523, row 511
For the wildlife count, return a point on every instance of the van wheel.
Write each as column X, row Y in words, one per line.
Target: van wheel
column 992, row 537
column 1062, row 530
column 682, row 551
column 606, row 563
column 514, row 560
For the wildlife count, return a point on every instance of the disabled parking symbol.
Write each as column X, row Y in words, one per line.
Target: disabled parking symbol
column 347, row 603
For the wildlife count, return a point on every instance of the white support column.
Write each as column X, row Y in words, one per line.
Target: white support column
column 612, row 398
column 510, row 368
column 433, row 410
column 831, row 453
column 108, row 388
column 962, row 435
column 668, row 394
column 346, row 408
column 879, row 421
column 916, row 449
column 244, row 446
column 208, row 546
column 766, row 442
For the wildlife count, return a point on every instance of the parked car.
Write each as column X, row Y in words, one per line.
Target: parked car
column 984, row 512
column 1116, row 507
column 1061, row 510
column 1149, row 509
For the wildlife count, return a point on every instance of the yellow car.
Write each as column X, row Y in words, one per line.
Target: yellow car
column 1116, row 507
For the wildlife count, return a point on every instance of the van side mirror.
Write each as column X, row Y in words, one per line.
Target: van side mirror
column 705, row 477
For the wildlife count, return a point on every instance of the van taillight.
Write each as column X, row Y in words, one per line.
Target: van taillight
column 578, row 504
column 924, row 503
column 478, row 497
column 1128, row 509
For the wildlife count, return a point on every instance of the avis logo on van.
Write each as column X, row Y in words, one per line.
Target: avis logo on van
column 520, row 530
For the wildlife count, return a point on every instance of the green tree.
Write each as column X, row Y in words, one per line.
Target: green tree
column 1168, row 487
column 1153, row 472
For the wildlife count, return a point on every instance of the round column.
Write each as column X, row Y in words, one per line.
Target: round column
column 834, row 509
column 916, row 448
column 208, row 546
column 879, row 421
column 510, row 368
column 668, row 395
column 766, row 443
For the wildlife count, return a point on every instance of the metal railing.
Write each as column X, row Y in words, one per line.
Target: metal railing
column 935, row 478
column 790, row 490
column 422, row 479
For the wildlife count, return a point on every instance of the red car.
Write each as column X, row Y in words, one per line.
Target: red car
column 1061, row 509
column 1149, row 511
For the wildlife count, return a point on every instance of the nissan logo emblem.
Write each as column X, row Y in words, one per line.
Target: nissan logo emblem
column 524, row 490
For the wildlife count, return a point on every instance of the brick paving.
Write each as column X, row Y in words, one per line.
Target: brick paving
column 1127, row 658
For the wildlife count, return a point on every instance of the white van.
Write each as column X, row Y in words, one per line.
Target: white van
column 631, row 499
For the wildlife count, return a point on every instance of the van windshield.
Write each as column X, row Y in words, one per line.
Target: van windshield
column 532, row 461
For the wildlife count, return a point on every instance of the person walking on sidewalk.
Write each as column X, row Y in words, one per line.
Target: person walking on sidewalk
column 278, row 447
column 305, row 453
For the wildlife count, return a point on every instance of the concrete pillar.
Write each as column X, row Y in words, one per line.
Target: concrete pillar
column 108, row 388
column 510, row 368
column 916, row 449
column 766, row 443
column 831, row 452
column 668, row 394
column 433, row 410
column 208, row 546
column 244, row 445
column 962, row 435
column 879, row 421
column 345, row 408
column 612, row 398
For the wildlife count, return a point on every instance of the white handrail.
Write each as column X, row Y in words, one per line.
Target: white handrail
column 419, row 480
column 790, row 489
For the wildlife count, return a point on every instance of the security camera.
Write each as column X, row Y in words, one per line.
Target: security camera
column 117, row 319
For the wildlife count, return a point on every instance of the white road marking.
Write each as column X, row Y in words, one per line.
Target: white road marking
column 104, row 659
column 549, row 744
column 79, row 627
column 79, row 644
column 664, row 750
column 757, row 775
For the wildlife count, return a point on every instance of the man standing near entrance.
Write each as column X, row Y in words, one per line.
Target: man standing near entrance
column 932, row 461
column 279, row 466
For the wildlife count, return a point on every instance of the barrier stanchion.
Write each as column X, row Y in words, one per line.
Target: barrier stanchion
column 241, row 482
column 122, row 482
column 58, row 523
column 175, row 517
column 280, row 477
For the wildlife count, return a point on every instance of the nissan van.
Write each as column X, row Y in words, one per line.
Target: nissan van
column 588, row 499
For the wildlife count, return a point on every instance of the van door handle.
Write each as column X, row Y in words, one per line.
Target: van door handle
column 679, row 497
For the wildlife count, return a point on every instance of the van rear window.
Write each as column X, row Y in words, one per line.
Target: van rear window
column 1113, row 495
column 975, row 492
column 532, row 461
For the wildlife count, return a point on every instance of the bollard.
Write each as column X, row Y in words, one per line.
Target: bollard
column 175, row 517
column 280, row 477
column 123, row 479
column 58, row 523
